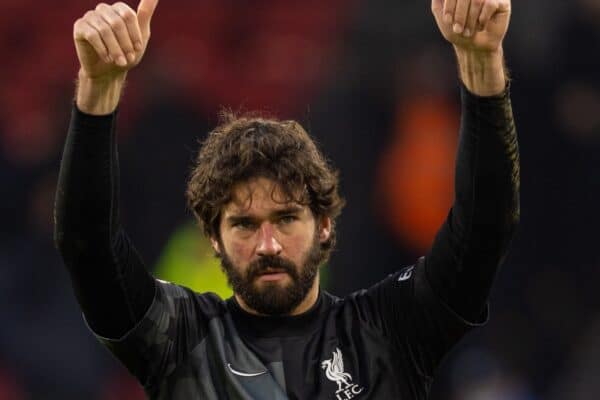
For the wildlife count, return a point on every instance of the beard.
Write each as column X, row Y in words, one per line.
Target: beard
column 273, row 298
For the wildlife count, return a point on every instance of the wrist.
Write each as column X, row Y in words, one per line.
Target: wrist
column 482, row 72
column 99, row 95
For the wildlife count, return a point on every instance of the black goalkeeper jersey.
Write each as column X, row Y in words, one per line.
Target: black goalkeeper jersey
column 383, row 342
column 380, row 343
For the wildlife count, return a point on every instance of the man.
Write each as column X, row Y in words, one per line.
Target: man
column 268, row 201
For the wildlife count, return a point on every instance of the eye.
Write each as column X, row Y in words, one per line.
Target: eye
column 287, row 219
column 244, row 225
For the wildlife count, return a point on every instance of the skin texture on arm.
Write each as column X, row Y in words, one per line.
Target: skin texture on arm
column 99, row 96
column 482, row 74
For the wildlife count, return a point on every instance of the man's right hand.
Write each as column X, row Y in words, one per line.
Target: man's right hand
column 109, row 40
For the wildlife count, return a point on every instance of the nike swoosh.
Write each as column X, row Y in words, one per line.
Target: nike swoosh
column 245, row 373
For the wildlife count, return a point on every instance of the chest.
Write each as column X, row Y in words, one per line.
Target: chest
column 335, row 363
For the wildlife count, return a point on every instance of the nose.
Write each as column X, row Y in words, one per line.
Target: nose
column 267, row 243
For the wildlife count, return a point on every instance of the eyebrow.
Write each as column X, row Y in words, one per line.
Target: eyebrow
column 288, row 210
column 232, row 219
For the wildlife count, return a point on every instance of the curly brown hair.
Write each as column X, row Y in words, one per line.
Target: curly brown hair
column 249, row 146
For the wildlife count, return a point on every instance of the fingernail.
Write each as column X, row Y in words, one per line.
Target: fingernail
column 131, row 57
column 121, row 61
column 448, row 18
column 457, row 28
column 467, row 32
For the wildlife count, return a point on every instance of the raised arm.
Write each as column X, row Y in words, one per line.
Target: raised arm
column 474, row 239
column 110, row 281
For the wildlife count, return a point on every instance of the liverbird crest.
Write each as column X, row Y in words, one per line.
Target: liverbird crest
column 334, row 370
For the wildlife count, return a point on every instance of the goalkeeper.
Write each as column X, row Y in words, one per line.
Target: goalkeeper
column 267, row 199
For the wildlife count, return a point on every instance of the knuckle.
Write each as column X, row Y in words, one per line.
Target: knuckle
column 101, row 6
column 118, row 25
column 124, row 11
column 129, row 16
column 105, row 30
column 109, row 19
column 89, row 35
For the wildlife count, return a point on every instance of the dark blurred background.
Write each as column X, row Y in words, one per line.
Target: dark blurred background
column 376, row 85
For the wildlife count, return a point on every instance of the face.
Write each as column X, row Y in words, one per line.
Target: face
column 270, row 249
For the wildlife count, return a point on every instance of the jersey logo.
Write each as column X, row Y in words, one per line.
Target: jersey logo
column 334, row 371
column 406, row 274
column 247, row 374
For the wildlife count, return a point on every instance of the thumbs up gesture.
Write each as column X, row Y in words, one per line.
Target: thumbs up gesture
column 111, row 39
column 478, row 25
column 476, row 29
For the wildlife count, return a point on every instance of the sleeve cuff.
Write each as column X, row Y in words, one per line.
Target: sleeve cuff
column 504, row 95
column 485, row 113
column 92, row 122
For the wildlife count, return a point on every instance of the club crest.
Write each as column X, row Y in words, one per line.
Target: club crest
column 334, row 371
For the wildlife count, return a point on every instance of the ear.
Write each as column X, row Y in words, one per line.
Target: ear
column 215, row 245
column 324, row 228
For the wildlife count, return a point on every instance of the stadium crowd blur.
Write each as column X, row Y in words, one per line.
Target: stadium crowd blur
column 376, row 85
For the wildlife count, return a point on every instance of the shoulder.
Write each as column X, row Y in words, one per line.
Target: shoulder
column 177, row 299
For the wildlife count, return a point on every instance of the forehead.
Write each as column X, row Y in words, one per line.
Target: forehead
column 258, row 196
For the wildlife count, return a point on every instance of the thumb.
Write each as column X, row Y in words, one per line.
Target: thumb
column 145, row 11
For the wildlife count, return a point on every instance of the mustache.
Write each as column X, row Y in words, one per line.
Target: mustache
column 265, row 263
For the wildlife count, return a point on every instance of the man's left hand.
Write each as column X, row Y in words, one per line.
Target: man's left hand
column 473, row 25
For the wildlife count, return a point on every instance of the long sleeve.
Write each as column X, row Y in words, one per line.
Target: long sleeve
column 473, row 241
column 109, row 278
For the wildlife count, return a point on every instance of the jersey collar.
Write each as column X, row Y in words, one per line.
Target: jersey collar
column 278, row 326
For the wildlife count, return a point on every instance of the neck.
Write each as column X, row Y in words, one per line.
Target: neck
column 309, row 300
